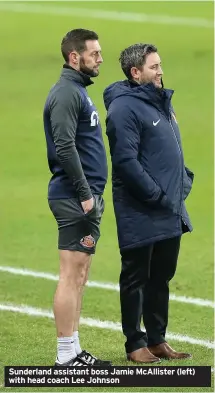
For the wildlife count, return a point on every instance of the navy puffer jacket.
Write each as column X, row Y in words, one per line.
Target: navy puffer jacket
column 150, row 181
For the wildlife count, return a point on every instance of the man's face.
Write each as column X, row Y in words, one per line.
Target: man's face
column 90, row 59
column 151, row 71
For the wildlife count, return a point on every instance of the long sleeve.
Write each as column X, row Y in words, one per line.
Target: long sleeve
column 64, row 111
column 188, row 181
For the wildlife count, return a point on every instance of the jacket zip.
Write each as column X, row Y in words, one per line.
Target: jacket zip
column 182, row 168
column 174, row 135
column 180, row 152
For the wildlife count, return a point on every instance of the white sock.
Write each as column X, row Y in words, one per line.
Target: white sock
column 78, row 349
column 65, row 349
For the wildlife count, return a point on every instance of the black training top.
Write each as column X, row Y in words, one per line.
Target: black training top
column 75, row 147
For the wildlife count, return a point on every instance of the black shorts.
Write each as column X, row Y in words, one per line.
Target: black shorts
column 77, row 231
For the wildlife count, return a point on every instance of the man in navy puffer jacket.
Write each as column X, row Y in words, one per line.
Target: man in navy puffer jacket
column 150, row 184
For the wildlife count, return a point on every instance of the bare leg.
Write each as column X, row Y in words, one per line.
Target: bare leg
column 73, row 270
column 80, row 296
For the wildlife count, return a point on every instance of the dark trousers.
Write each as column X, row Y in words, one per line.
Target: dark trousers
column 144, row 291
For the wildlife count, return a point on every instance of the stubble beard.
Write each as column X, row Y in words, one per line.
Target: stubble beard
column 88, row 71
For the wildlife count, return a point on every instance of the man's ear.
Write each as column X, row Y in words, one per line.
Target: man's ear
column 135, row 73
column 74, row 58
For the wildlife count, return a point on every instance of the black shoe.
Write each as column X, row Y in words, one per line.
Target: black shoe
column 73, row 362
column 91, row 360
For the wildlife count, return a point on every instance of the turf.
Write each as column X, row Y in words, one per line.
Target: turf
column 30, row 63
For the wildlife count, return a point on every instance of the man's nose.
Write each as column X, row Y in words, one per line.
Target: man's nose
column 160, row 71
column 100, row 59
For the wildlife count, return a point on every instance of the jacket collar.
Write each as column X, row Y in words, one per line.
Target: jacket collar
column 160, row 98
column 76, row 76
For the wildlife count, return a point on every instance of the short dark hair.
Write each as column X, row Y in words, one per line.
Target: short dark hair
column 76, row 40
column 135, row 56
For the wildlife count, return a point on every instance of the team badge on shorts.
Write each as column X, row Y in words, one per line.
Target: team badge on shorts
column 88, row 241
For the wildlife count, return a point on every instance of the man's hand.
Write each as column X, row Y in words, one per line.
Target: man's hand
column 87, row 206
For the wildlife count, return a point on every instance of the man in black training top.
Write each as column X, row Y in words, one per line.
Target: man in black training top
column 77, row 160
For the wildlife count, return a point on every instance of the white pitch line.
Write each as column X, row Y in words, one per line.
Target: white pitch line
column 103, row 285
column 115, row 326
column 107, row 15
